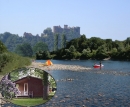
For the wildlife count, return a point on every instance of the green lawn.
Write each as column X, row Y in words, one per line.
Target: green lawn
column 28, row 101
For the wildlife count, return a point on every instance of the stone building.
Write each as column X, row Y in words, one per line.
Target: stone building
column 66, row 29
column 27, row 34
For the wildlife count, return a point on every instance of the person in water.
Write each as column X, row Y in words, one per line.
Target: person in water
column 100, row 63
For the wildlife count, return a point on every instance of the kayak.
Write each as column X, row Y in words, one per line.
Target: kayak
column 98, row 65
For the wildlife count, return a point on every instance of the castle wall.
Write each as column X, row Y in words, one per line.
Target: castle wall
column 58, row 29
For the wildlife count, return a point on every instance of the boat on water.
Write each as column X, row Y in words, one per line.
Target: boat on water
column 97, row 65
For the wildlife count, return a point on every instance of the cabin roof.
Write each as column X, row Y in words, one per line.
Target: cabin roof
column 24, row 78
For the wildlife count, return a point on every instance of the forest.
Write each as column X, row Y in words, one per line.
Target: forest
column 78, row 48
column 11, row 41
column 92, row 48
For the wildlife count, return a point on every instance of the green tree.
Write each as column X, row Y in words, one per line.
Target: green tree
column 95, row 42
column 108, row 44
column 52, row 82
column 40, row 46
column 43, row 55
column 45, row 82
column 127, row 42
column 4, row 59
column 2, row 48
column 119, row 46
column 71, row 53
column 63, row 41
column 56, row 42
column 48, row 31
column 72, row 48
column 127, row 54
column 73, row 42
column 86, row 54
column 101, row 52
column 24, row 50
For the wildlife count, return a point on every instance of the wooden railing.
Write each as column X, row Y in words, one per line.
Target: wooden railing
column 25, row 93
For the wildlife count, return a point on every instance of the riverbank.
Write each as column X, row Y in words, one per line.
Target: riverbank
column 59, row 67
column 56, row 67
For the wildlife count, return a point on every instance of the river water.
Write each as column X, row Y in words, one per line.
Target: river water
column 105, row 87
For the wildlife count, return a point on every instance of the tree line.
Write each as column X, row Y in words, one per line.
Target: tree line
column 78, row 48
column 92, row 48
column 48, row 37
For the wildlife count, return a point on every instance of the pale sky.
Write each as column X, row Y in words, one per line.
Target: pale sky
column 96, row 18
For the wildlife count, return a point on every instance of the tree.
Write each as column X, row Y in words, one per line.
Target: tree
column 56, row 42
column 71, row 53
column 72, row 48
column 108, row 44
column 63, row 41
column 6, row 35
column 2, row 48
column 82, row 43
column 45, row 82
column 48, row 31
column 4, row 56
column 119, row 46
column 40, row 46
column 82, row 39
column 24, row 50
column 95, row 42
column 101, row 52
column 4, row 59
column 127, row 42
column 86, row 54
column 52, row 82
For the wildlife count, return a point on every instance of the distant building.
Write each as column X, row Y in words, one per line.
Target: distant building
column 27, row 34
column 66, row 29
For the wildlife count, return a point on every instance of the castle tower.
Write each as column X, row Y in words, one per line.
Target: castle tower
column 57, row 29
column 65, row 26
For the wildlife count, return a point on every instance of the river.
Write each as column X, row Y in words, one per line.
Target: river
column 105, row 87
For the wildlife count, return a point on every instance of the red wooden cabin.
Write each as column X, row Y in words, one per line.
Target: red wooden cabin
column 30, row 87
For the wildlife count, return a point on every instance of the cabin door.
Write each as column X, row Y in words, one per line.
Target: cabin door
column 25, row 88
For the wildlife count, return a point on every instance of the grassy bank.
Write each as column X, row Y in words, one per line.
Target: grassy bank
column 29, row 101
column 10, row 61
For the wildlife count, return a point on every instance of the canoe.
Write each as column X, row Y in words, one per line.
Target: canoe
column 98, row 65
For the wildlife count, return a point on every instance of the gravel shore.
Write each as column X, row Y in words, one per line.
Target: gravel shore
column 59, row 67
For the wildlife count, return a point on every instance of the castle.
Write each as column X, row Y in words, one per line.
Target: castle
column 58, row 29
column 49, row 35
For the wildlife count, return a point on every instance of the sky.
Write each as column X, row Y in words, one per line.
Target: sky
column 106, row 19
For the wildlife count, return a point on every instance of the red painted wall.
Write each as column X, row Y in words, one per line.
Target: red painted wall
column 36, row 86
